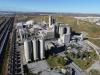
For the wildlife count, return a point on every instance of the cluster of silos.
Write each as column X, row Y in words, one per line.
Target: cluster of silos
column 34, row 49
column 38, row 49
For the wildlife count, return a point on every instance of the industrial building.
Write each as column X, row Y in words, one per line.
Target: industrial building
column 39, row 40
column 34, row 37
column 65, row 33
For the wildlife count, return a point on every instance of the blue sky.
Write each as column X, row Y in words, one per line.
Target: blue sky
column 82, row 6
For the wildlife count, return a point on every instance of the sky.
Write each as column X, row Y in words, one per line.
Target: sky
column 76, row 6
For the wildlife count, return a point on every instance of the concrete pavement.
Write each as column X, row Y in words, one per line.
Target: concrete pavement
column 78, row 70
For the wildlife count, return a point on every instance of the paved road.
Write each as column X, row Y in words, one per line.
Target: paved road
column 96, row 66
column 92, row 38
column 94, row 46
column 78, row 71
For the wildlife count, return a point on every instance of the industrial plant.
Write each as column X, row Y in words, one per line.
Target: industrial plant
column 34, row 37
column 38, row 41
column 49, row 37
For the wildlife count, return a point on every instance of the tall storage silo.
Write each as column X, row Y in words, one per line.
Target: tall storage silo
column 42, row 51
column 35, row 49
column 27, row 51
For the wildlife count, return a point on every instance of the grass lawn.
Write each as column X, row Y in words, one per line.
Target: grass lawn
column 56, row 61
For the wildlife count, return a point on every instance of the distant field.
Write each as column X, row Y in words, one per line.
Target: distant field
column 92, row 29
column 1, row 19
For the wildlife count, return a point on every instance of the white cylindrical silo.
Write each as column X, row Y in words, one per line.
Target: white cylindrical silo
column 27, row 50
column 35, row 51
column 42, row 44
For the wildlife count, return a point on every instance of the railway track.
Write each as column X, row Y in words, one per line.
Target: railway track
column 5, row 30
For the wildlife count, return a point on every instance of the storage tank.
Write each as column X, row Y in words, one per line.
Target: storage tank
column 42, row 45
column 35, row 49
column 27, row 50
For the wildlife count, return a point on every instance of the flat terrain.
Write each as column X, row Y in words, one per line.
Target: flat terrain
column 1, row 19
column 91, row 29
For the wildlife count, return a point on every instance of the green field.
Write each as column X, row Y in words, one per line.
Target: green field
column 1, row 19
column 56, row 61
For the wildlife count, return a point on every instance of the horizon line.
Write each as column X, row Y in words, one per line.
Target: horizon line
column 47, row 12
